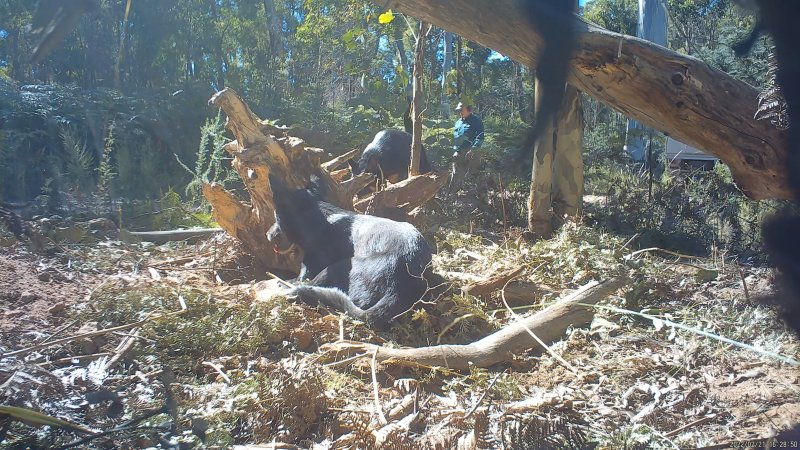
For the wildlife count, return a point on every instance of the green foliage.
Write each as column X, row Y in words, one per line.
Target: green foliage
column 211, row 165
column 34, row 118
column 208, row 329
column 696, row 23
column 621, row 16
column 697, row 213
column 105, row 170
column 637, row 437
column 80, row 162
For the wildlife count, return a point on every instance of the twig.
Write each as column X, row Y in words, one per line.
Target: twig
column 703, row 333
column 59, row 331
column 127, row 426
column 378, row 407
column 219, row 370
column 744, row 286
column 346, row 360
column 124, row 335
column 170, row 262
column 129, row 326
column 486, row 391
column 502, row 202
column 628, row 242
column 657, row 249
column 73, row 358
column 354, row 411
column 680, row 430
column 290, row 285
column 450, row 325
column 123, row 347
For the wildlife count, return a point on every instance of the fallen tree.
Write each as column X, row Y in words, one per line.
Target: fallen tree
column 679, row 95
column 548, row 325
column 261, row 149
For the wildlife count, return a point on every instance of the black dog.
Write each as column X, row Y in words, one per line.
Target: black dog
column 369, row 267
column 779, row 19
column 388, row 157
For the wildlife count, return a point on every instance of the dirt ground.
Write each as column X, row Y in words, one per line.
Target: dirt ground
column 36, row 295
column 684, row 391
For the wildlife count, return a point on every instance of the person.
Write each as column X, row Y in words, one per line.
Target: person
column 467, row 136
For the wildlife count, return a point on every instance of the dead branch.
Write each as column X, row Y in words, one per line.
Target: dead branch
column 493, row 283
column 406, row 195
column 339, row 160
column 549, row 324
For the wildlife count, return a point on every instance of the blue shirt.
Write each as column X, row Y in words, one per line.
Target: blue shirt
column 468, row 133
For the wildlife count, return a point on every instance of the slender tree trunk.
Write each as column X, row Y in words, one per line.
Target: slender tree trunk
column 218, row 44
column 416, row 102
column 122, row 39
column 458, row 66
column 408, row 123
column 276, row 40
column 447, row 64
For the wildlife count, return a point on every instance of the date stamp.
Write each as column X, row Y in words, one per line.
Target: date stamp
column 766, row 443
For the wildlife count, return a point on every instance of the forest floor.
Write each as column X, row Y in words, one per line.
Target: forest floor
column 195, row 358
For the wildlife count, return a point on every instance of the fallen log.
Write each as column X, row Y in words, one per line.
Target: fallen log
column 162, row 237
column 679, row 95
column 406, row 195
column 339, row 160
column 548, row 324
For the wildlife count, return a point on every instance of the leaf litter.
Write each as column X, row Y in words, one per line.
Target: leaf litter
column 200, row 361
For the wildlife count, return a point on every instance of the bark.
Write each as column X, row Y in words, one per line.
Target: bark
column 408, row 123
column 678, row 95
column 121, row 50
column 458, row 67
column 548, row 325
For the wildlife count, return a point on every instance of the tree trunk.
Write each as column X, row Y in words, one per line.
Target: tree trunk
column 458, row 67
column 447, row 64
column 276, row 39
column 121, row 51
column 416, row 100
column 678, row 95
column 408, row 123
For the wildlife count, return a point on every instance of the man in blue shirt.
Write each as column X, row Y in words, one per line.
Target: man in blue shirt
column 467, row 136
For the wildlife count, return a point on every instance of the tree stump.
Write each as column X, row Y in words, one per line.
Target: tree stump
column 261, row 149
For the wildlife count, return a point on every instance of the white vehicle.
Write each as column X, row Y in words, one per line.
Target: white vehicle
column 680, row 155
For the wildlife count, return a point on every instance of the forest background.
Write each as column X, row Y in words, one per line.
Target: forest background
column 119, row 112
